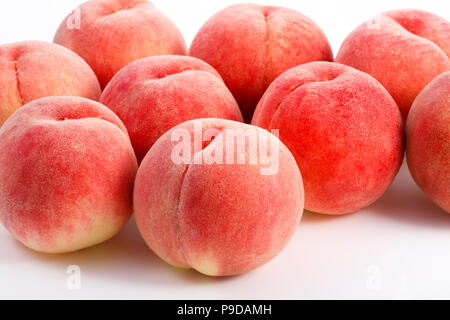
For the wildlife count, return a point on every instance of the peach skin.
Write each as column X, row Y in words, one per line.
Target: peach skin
column 428, row 140
column 344, row 130
column 67, row 170
column 403, row 49
column 154, row 94
column 219, row 217
column 112, row 33
column 34, row 69
column 250, row 45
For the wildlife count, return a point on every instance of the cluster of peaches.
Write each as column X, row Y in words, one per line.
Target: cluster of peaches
column 86, row 127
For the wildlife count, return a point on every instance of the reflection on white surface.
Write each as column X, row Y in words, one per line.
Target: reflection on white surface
column 398, row 248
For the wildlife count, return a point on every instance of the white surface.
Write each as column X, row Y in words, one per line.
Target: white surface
column 397, row 248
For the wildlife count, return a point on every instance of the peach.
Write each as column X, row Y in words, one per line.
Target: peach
column 428, row 140
column 109, row 34
column 212, row 212
column 67, row 170
column 250, row 45
column 34, row 69
column 154, row 94
column 344, row 130
column 403, row 49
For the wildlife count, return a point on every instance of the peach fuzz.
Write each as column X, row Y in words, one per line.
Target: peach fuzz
column 343, row 128
column 67, row 170
column 154, row 94
column 33, row 69
column 250, row 45
column 403, row 49
column 218, row 218
column 428, row 140
column 112, row 33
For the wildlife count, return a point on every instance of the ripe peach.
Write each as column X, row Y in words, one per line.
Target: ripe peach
column 154, row 94
column 343, row 128
column 428, row 140
column 403, row 49
column 67, row 169
column 219, row 217
column 34, row 69
column 109, row 34
column 250, row 45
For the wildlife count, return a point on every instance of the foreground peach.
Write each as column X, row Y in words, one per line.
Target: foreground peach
column 109, row 34
column 343, row 128
column 67, row 169
column 403, row 49
column 250, row 45
column 154, row 94
column 428, row 140
column 34, row 69
column 212, row 212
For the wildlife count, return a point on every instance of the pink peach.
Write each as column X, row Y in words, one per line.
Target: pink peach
column 218, row 217
column 67, row 169
column 35, row 69
column 403, row 49
column 154, row 94
column 344, row 130
column 250, row 45
column 109, row 34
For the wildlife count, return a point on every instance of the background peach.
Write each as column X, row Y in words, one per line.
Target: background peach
column 343, row 128
column 428, row 140
column 34, row 69
column 154, row 94
column 220, row 219
column 250, row 45
column 403, row 49
column 66, row 174
column 114, row 33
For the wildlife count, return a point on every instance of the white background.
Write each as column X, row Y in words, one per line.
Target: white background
column 397, row 248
